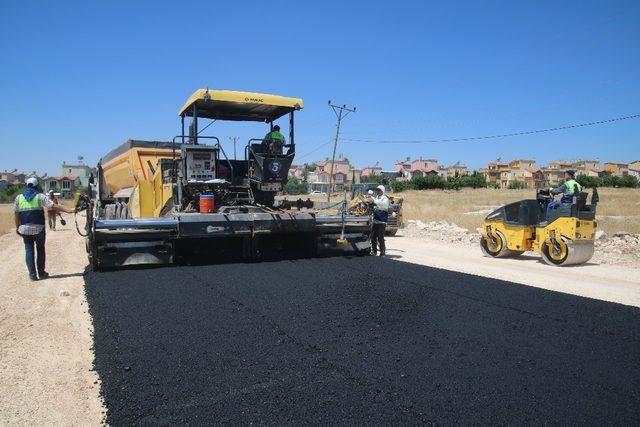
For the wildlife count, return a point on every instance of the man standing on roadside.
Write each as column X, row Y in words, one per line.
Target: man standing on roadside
column 51, row 213
column 29, row 217
column 380, row 215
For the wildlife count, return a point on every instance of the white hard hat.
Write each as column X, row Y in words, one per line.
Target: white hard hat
column 381, row 188
column 32, row 181
column 370, row 192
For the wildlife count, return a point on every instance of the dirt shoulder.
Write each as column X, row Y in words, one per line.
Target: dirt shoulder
column 615, row 283
column 45, row 337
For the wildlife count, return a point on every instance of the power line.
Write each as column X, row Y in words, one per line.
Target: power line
column 307, row 154
column 505, row 135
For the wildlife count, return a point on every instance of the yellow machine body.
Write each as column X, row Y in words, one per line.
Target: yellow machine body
column 518, row 238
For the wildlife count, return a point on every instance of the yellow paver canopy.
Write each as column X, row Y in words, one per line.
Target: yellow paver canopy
column 242, row 106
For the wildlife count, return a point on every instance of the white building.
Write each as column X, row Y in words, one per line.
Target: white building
column 80, row 170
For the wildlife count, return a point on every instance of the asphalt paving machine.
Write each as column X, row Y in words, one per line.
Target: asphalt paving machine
column 567, row 238
column 160, row 202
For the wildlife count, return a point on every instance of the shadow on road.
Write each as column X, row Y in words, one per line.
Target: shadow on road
column 356, row 340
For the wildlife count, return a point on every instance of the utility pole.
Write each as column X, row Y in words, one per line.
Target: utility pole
column 234, row 139
column 341, row 112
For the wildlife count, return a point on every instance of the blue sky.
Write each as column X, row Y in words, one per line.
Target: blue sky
column 81, row 78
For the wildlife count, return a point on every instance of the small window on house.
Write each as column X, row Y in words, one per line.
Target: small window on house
column 69, row 170
column 66, row 185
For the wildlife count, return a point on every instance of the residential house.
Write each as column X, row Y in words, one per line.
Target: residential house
column 343, row 175
column 297, row 172
column 520, row 170
column 561, row 164
column 548, row 177
column 616, row 169
column 319, row 181
column 457, row 170
column 493, row 171
column 634, row 168
column 82, row 171
column 586, row 167
column 371, row 170
column 66, row 185
column 415, row 168
column 340, row 165
column 14, row 177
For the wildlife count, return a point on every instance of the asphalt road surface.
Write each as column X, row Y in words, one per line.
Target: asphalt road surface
column 356, row 341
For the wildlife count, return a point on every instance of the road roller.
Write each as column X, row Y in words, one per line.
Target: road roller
column 565, row 238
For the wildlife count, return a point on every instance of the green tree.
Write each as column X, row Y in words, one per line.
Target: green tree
column 295, row 187
column 516, row 185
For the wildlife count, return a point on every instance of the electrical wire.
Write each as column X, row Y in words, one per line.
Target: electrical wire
column 313, row 151
column 505, row 135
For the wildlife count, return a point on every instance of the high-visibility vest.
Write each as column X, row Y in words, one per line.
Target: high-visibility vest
column 30, row 211
column 572, row 187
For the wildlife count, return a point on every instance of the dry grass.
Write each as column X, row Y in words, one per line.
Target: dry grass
column 619, row 209
column 6, row 218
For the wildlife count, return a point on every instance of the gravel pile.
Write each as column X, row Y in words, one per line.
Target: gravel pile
column 441, row 230
column 621, row 248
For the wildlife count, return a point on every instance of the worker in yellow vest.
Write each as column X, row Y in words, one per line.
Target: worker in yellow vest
column 568, row 189
column 28, row 210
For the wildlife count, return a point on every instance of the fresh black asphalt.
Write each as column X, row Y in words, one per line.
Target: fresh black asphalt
column 356, row 341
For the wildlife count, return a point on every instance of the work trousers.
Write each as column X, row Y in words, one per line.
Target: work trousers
column 52, row 219
column 29, row 243
column 377, row 238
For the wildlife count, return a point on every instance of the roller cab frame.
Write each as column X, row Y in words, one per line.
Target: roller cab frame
column 147, row 209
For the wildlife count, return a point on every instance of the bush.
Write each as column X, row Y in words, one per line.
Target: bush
column 431, row 182
column 516, row 185
column 375, row 179
column 9, row 194
column 587, row 181
column 608, row 180
column 474, row 181
column 295, row 187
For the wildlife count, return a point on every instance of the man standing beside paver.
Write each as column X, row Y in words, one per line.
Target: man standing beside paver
column 380, row 215
column 29, row 218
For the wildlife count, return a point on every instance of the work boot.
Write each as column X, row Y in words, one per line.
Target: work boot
column 33, row 277
column 43, row 275
column 382, row 254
